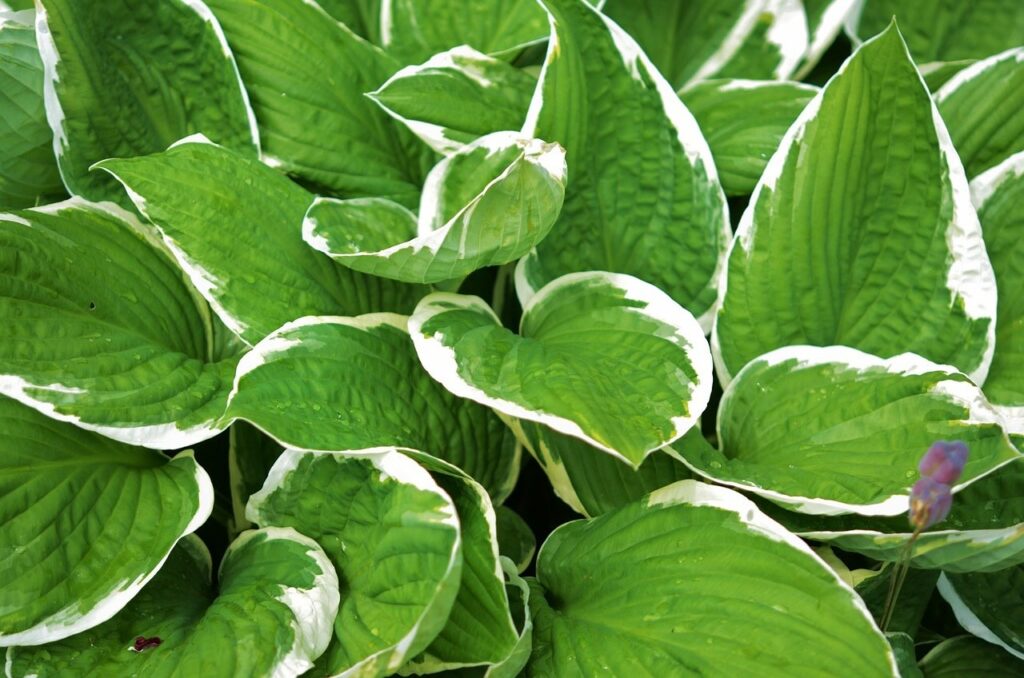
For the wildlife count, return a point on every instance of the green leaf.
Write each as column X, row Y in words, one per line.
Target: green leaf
column 969, row 656
column 687, row 582
column 945, row 30
column 480, row 629
column 775, row 46
column 101, row 328
column 938, row 73
column 28, row 168
column 881, row 251
column 693, row 41
column 354, row 383
column 825, row 19
column 515, row 538
column 270, row 614
column 392, row 534
column 126, row 78
column 307, row 85
column 252, row 266
column 998, row 194
column 457, row 96
column 85, row 522
column 980, row 104
column 989, row 605
column 361, row 16
column 744, row 121
column 413, row 30
column 903, row 649
column 592, row 482
column 521, row 185
column 603, row 357
column 833, row 430
column 251, row 454
column 643, row 196
column 983, row 533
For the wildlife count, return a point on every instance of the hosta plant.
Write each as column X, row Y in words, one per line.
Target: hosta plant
column 511, row 337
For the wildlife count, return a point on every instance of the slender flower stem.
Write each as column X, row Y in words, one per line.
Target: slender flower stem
column 896, row 579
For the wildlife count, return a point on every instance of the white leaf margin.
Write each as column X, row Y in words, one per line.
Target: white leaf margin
column 442, row 364
column 970, row 273
column 392, row 464
column 983, row 187
column 906, row 364
column 71, row 620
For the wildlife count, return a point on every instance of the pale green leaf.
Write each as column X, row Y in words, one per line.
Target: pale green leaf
column 413, row 30
column 603, row 357
column 307, row 74
column 269, row 615
column 687, row 582
column 361, row 16
column 592, row 482
column 744, row 121
column 457, row 96
column 834, row 430
column 486, row 205
column 938, row 73
column 515, row 538
column 695, row 40
column 989, row 605
column 100, row 328
column 393, row 536
column 28, row 168
column 945, row 30
column 775, row 46
column 643, row 196
column 85, row 522
column 969, row 656
column 881, row 251
column 235, row 226
column 984, row 531
column 130, row 77
column 981, row 105
column 998, row 195
column 352, row 383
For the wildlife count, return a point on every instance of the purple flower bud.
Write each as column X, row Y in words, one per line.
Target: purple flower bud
column 944, row 461
column 929, row 502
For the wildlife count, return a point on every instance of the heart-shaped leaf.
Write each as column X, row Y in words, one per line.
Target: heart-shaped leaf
column 85, row 522
column 102, row 329
column 834, row 430
column 989, row 605
column 603, row 357
column 269, row 615
column 688, row 581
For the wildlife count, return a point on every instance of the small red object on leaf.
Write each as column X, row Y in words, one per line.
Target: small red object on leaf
column 142, row 643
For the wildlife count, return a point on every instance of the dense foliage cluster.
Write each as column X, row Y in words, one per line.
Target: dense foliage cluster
column 292, row 291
